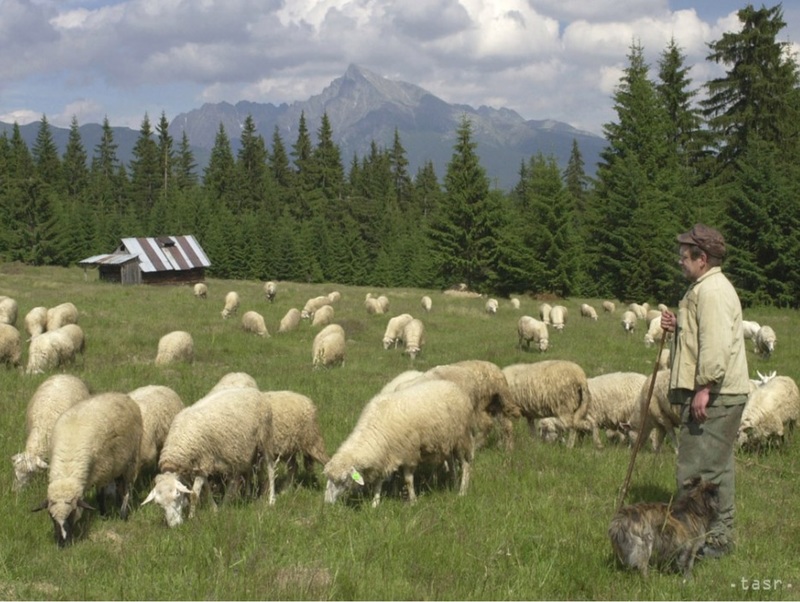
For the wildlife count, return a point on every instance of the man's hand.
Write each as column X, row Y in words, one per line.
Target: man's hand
column 699, row 404
column 668, row 321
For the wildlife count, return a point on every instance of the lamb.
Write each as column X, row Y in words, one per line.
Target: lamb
column 8, row 311
column 312, row 305
column 771, row 412
column 654, row 332
column 662, row 415
column 414, row 337
column 429, row 423
column 372, row 305
column 49, row 350
column 558, row 317
column 234, row 380
column 200, row 290
column 393, row 335
column 252, row 321
column 400, row 380
column 231, row 305
column 629, row 321
column 749, row 329
column 323, row 316
column 10, row 345
column 54, row 396
column 329, row 347
column 609, row 307
column 158, row 405
column 551, row 388
column 228, row 433
column 765, row 341
column 270, row 289
column 36, row 321
column 587, row 311
column 544, row 312
column 334, row 296
column 95, row 443
column 514, row 303
column 176, row 346
column 491, row 306
column 290, row 321
column 426, row 303
column 60, row 315
column 383, row 301
column 530, row 329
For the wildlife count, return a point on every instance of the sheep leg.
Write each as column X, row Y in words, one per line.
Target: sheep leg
column 270, row 481
column 466, row 469
column 376, row 494
column 124, row 508
column 200, row 484
column 408, row 476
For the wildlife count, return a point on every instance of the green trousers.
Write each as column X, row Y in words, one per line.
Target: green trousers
column 707, row 449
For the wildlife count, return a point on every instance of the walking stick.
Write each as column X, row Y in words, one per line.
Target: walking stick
column 643, row 412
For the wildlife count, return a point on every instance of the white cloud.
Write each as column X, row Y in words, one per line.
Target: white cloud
column 20, row 116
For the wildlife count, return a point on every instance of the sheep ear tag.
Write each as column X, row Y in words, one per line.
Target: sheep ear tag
column 356, row 476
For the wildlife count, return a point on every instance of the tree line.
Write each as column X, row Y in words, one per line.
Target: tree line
column 727, row 157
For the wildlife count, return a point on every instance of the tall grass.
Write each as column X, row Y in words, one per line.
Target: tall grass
column 532, row 526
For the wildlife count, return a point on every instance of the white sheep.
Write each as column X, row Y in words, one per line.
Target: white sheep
column 514, row 303
column 62, row 314
column 629, row 321
column 664, row 359
column 749, row 329
column 544, row 312
column 530, row 329
column 200, row 290
column 8, row 311
column 10, row 345
column 231, row 305
column 76, row 335
column 426, row 303
column 765, row 341
column 609, row 307
column 323, row 316
column 95, row 443
column 252, row 321
column 587, row 311
column 639, row 311
column 270, row 290
column 663, row 418
column 373, row 306
column 430, row 423
column 383, row 301
column 558, row 317
column 55, row 395
column 290, row 321
column 334, row 296
column 654, row 332
column 329, row 346
column 551, row 388
column 401, row 380
column 771, row 412
column 159, row 405
column 228, row 433
column 414, row 337
column 491, row 306
column 176, row 346
column 312, row 305
column 234, row 380
column 49, row 350
column 393, row 335
column 36, row 321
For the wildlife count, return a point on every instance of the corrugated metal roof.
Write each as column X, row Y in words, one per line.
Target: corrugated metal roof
column 108, row 259
column 166, row 253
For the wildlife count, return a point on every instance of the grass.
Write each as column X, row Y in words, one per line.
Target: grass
column 533, row 525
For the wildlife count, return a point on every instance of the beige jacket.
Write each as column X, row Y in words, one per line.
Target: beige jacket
column 709, row 343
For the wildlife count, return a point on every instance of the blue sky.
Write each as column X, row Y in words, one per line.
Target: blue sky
column 546, row 59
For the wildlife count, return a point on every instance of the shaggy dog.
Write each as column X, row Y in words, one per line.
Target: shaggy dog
column 667, row 535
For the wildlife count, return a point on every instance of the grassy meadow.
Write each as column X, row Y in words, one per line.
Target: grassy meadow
column 532, row 526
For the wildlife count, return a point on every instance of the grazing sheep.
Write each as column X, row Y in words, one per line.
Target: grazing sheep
column 429, row 423
column 414, row 337
column 662, row 415
column 654, row 332
column 383, row 301
column 652, row 314
column 158, row 405
column 558, row 317
column 491, row 307
column 334, row 296
column 290, row 321
column 401, row 380
column 609, row 307
column 771, row 412
column 638, row 310
column 312, row 305
column 629, row 321
column 36, row 321
column 426, row 303
column 765, row 341
column 8, row 311
column 176, row 346
column 514, row 303
column 393, row 334
column 587, row 311
column 60, row 315
column 234, row 380
column 76, row 335
column 664, row 359
column 49, row 350
column 544, row 312
column 323, row 316
column 749, row 329
column 530, row 329
column 270, row 289
column 329, row 347
column 551, row 388
column 231, row 305
column 252, row 321
column 95, row 443
column 373, row 306
column 10, row 345
column 228, row 433
column 201, row 290
column 55, row 395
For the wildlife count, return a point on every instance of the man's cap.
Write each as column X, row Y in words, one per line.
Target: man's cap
column 708, row 239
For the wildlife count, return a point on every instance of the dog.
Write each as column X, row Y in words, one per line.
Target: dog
column 666, row 535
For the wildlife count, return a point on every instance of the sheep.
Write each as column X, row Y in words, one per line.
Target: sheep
column 334, row 296
column 587, row 311
column 252, row 321
column 609, row 307
column 95, row 443
column 10, row 345
column 530, row 329
column 228, row 433
column 290, row 321
column 62, row 314
column 36, row 321
column 270, row 289
column 551, row 388
column 400, row 380
column 654, row 332
column 662, row 415
column 323, row 316
column 491, row 307
column 76, row 335
column 200, row 290
column 234, row 380
column 426, row 303
column 48, row 351
column 639, row 311
column 765, row 341
column 544, row 313
column 176, row 346
column 771, row 412
column 393, row 335
column 558, row 317
column 414, row 337
column 430, row 423
column 8, row 311
column 312, row 305
column 629, row 321
column 749, row 329
column 383, row 301
column 231, row 305
column 328, row 348
column 372, row 306
column 158, row 405
column 55, row 395
column 664, row 359
column 514, row 303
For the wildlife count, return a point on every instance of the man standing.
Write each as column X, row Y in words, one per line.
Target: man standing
column 709, row 376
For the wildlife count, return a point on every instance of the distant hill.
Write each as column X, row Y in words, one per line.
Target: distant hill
column 364, row 107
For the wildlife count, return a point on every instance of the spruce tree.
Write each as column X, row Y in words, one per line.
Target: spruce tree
column 146, row 173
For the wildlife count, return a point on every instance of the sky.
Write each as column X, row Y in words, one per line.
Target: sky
column 545, row 59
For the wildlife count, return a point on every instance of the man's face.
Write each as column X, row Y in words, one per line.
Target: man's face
column 692, row 268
